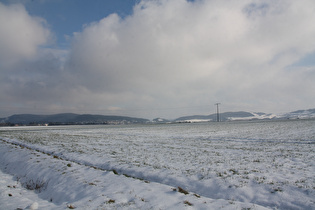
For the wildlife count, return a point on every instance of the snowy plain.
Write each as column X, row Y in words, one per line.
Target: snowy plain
column 226, row 165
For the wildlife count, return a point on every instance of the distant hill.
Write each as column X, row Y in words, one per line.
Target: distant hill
column 70, row 118
column 232, row 116
column 84, row 119
column 299, row 114
column 213, row 117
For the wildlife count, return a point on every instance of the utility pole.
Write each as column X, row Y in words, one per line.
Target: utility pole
column 218, row 115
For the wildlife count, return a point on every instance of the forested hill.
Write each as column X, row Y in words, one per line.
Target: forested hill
column 70, row 118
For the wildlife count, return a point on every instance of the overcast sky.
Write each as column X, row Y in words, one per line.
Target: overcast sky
column 156, row 58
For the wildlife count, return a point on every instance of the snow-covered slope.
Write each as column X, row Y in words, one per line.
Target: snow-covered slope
column 232, row 116
column 300, row 114
column 254, row 116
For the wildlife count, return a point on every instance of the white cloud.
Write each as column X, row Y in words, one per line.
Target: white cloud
column 178, row 52
column 21, row 34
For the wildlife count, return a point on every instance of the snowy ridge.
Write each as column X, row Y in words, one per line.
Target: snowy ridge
column 255, row 116
column 243, row 116
column 300, row 114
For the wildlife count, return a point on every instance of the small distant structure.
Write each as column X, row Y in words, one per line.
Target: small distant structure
column 218, row 114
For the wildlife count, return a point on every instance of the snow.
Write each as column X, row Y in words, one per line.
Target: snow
column 255, row 116
column 300, row 114
column 195, row 120
column 231, row 165
column 14, row 196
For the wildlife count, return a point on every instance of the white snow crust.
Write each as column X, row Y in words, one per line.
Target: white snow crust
column 230, row 165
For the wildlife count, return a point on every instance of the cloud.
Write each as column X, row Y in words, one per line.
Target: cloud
column 177, row 52
column 173, row 58
column 27, row 68
column 21, row 34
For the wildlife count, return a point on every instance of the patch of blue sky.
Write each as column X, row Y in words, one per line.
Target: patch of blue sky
column 307, row 60
column 66, row 17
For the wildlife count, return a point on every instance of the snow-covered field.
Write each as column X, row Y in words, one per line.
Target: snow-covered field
column 226, row 165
